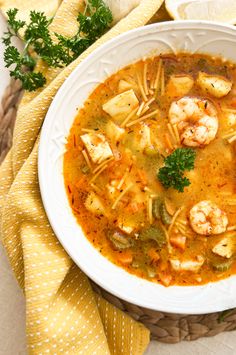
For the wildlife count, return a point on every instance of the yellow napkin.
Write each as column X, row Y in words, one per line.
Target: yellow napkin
column 64, row 316
column 24, row 6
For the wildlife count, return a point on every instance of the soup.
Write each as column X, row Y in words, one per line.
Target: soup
column 150, row 170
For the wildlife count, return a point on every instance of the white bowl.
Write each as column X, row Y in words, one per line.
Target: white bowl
column 188, row 36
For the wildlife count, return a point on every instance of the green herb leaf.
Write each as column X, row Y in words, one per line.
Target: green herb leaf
column 30, row 80
column 11, row 56
column 39, row 43
column 96, row 21
column 92, row 25
column 171, row 175
column 14, row 26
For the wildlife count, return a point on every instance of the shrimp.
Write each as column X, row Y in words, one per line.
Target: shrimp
column 207, row 218
column 196, row 120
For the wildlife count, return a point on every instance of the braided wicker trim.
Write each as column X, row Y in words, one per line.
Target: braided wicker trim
column 165, row 327
column 8, row 109
column 173, row 328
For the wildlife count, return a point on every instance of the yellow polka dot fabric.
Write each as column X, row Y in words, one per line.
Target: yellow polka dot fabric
column 64, row 315
column 24, row 6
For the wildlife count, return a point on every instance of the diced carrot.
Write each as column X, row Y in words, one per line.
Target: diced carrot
column 125, row 257
column 233, row 102
column 80, row 182
column 132, row 207
column 165, row 279
column 163, row 265
column 178, row 241
column 153, row 254
column 168, row 142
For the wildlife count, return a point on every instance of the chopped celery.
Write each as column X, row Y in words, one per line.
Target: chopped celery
column 85, row 169
column 151, row 151
column 98, row 123
column 155, row 233
column 222, row 266
column 165, row 216
column 156, row 203
column 119, row 240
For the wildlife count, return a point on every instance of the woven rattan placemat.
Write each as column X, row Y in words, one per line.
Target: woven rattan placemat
column 165, row 327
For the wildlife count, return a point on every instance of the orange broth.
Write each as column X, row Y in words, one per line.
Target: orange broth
column 127, row 187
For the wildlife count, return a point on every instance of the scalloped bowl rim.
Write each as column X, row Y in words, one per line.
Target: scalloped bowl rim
column 209, row 298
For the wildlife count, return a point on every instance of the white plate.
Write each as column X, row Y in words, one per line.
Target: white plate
column 189, row 36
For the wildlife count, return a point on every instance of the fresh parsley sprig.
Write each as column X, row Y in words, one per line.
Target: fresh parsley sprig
column 39, row 43
column 23, row 63
column 93, row 23
column 14, row 26
column 172, row 174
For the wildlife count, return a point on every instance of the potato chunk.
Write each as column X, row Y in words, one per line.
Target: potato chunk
column 126, row 227
column 123, row 103
column 127, row 223
column 230, row 118
column 216, row 85
column 224, row 247
column 97, row 147
column 187, row 265
column 179, row 85
column 114, row 132
column 94, row 204
column 124, row 85
column 111, row 191
column 145, row 137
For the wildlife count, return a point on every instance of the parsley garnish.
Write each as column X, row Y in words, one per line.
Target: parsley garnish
column 95, row 20
column 171, row 175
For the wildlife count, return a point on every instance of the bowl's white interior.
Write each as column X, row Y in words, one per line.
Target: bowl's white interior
column 188, row 36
